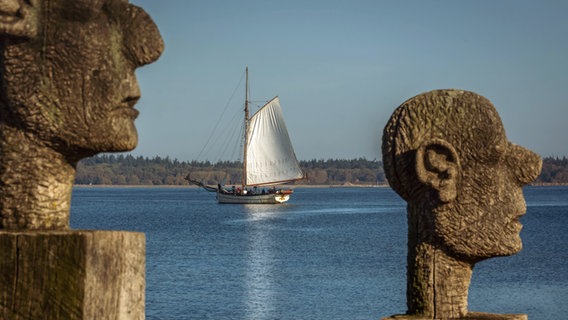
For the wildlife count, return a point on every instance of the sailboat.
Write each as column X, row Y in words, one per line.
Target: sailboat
column 268, row 160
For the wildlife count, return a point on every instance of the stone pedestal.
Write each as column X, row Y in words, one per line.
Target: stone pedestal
column 72, row 275
column 470, row 316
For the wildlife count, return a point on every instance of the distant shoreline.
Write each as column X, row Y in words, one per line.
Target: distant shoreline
column 294, row 186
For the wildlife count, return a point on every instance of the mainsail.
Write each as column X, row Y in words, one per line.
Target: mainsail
column 270, row 157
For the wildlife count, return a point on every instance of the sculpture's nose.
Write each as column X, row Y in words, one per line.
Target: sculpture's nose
column 142, row 41
column 524, row 164
column 131, row 87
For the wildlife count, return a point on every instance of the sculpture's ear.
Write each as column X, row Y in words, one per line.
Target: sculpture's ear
column 437, row 165
column 19, row 18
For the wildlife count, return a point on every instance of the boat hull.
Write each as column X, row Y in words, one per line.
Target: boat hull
column 273, row 198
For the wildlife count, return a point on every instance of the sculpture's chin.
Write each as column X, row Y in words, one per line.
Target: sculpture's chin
column 125, row 133
column 515, row 246
column 125, row 144
column 117, row 136
column 124, row 137
column 483, row 249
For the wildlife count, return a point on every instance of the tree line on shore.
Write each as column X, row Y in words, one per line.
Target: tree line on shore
column 121, row 169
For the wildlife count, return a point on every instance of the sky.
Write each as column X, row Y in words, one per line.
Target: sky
column 340, row 68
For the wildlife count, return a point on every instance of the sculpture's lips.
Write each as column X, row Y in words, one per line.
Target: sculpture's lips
column 521, row 210
column 516, row 221
column 129, row 112
column 518, row 216
column 127, row 108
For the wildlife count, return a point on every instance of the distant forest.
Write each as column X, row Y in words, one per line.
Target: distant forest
column 110, row 169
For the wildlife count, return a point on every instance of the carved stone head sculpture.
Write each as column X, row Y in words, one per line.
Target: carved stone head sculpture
column 68, row 92
column 446, row 153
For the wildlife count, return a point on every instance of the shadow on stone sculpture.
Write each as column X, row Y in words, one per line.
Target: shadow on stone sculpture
column 68, row 92
column 446, row 153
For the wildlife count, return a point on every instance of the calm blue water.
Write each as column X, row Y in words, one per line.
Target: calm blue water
column 330, row 253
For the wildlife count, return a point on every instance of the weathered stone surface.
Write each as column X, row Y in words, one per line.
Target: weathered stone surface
column 68, row 90
column 72, row 275
column 446, row 153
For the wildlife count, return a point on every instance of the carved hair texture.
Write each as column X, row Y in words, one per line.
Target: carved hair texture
column 464, row 119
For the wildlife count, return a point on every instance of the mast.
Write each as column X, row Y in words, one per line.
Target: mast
column 244, row 178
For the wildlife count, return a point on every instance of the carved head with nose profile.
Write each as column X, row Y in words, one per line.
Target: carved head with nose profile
column 68, row 92
column 446, row 153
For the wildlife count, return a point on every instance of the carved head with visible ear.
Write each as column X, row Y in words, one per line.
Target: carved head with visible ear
column 68, row 71
column 446, row 153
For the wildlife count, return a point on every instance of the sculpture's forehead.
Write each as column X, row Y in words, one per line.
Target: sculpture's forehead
column 84, row 9
column 90, row 21
column 90, row 4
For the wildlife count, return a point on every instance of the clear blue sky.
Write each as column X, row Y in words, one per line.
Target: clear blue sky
column 341, row 67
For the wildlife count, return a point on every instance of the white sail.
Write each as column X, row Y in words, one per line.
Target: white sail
column 270, row 156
